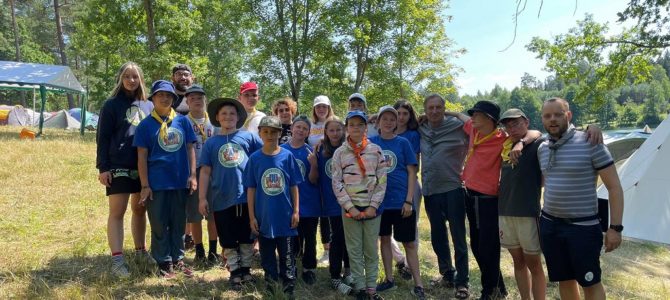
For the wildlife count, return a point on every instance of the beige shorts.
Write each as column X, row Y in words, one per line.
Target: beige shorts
column 519, row 232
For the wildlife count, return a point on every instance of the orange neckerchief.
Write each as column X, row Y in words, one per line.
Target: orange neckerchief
column 201, row 127
column 358, row 150
column 478, row 142
column 164, row 123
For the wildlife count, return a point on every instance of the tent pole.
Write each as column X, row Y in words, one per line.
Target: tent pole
column 32, row 116
column 83, row 115
column 43, row 95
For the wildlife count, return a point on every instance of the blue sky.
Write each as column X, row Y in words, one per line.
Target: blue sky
column 485, row 27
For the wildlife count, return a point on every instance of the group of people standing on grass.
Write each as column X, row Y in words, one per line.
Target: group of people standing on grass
column 274, row 180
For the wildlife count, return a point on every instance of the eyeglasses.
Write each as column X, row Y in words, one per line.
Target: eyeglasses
column 512, row 124
column 182, row 74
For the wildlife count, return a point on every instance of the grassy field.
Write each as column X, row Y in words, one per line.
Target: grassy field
column 52, row 230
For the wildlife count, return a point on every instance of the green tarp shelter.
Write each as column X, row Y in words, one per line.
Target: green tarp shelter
column 46, row 78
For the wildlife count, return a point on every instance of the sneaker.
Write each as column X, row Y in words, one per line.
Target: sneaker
column 184, row 269
column 348, row 279
column 387, row 285
column 119, row 268
column 375, row 296
column 144, row 261
column 213, row 259
column 235, row 282
column 199, row 259
column 189, row 244
column 419, row 293
column 324, row 258
column 309, row 277
column 166, row 271
column 404, row 271
column 442, row 282
column 340, row 286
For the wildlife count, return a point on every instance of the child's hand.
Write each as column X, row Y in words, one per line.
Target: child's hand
column 406, row 210
column 105, row 178
column 146, row 194
column 203, row 208
column 355, row 213
column 254, row 226
column 192, row 184
column 295, row 219
column 370, row 212
column 311, row 157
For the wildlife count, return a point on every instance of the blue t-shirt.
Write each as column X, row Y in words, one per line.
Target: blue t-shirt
column 228, row 155
column 310, row 199
column 272, row 176
column 398, row 154
column 167, row 160
column 202, row 126
column 414, row 139
column 331, row 207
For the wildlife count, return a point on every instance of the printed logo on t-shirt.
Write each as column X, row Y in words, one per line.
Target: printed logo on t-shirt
column 134, row 115
column 329, row 168
column 391, row 160
column 588, row 276
column 272, row 182
column 231, row 155
column 174, row 140
column 302, row 167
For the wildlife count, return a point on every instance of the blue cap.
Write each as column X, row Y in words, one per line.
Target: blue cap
column 356, row 113
column 163, row 86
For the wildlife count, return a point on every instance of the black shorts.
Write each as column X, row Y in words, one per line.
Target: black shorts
column 124, row 181
column 572, row 252
column 403, row 229
column 232, row 226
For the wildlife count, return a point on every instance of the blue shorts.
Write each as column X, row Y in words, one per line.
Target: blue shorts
column 572, row 252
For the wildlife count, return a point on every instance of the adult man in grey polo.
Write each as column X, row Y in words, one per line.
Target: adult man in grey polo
column 443, row 149
column 571, row 235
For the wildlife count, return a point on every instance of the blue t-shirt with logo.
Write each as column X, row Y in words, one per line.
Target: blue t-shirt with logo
column 310, row 199
column 272, row 176
column 414, row 139
column 331, row 207
column 228, row 156
column 398, row 153
column 167, row 160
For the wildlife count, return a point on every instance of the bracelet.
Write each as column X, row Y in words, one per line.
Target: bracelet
column 145, row 187
column 409, row 202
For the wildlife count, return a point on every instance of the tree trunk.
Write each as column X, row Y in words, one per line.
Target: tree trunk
column 61, row 46
column 17, row 48
column 151, row 33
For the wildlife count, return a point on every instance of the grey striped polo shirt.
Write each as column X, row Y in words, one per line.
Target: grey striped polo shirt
column 570, row 184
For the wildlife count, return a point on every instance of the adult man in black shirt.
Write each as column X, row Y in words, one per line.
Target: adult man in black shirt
column 182, row 79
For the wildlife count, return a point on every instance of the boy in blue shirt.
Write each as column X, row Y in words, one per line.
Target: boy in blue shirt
column 222, row 162
column 272, row 179
column 166, row 165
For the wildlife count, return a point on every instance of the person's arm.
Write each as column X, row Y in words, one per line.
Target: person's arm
column 192, row 180
column 203, row 206
column 408, row 206
column 313, row 175
column 251, row 200
column 379, row 191
column 295, row 217
column 530, row 137
column 103, row 138
column 461, row 116
column 610, row 179
column 143, row 170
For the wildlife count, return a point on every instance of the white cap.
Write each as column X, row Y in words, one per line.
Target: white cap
column 386, row 108
column 321, row 99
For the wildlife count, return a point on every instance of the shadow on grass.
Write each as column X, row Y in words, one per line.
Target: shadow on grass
column 88, row 277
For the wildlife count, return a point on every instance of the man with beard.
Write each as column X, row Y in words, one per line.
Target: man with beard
column 570, row 232
column 182, row 79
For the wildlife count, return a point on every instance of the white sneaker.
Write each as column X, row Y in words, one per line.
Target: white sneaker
column 119, row 268
column 340, row 286
column 324, row 258
column 348, row 279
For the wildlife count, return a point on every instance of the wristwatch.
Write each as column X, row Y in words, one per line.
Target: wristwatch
column 617, row 228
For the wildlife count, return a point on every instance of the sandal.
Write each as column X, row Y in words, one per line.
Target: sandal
column 442, row 282
column 462, row 292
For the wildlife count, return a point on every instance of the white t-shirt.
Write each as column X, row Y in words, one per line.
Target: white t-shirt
column 253, row 119
column 316, row 133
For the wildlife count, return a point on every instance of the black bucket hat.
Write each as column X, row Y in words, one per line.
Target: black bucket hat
column 215, row 105
column 488, row 108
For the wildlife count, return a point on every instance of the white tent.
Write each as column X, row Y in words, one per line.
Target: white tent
column 62, row 119
column 645, row 179
column 20, row 116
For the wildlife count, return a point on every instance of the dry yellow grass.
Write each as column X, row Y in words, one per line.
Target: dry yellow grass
column 52, row 232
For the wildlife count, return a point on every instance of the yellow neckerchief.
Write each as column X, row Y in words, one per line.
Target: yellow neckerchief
column 251, row 116
column 201, row 127
column 164, row 123
column 507, row 148
column 478, row 142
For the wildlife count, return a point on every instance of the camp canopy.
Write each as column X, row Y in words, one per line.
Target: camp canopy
column 646, row 186
column 52, row 78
